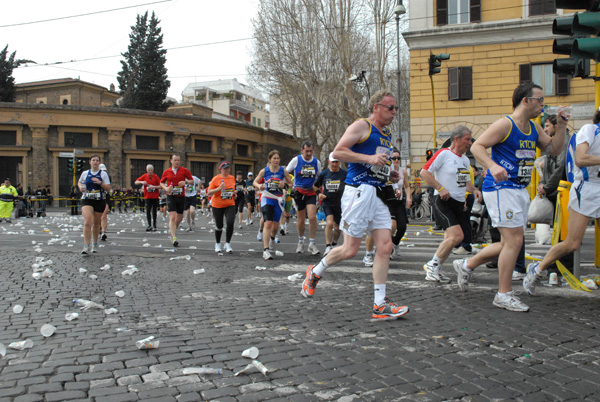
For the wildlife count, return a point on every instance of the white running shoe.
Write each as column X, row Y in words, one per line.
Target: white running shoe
column 396, row 252
column 518, row 276
column 94, row 247
column 510, row 302
column 327, row 250
column 532, row 277
column 218, row 248
column 277, row 240
column 267, row 255
column 461, row 251
column 86, row 249
column 259, row 236
column 369, row 259
column 240, row 226
column 300, row 248
column 228, row 248
column 312, row 248
column 462, row 274
column 434, row 274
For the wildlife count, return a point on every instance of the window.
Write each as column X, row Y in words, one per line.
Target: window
column 542, row 75
column 460, row 83
column 150, row 142
column 451, row 12
column 258, row 120
column 253, row 121
column 203, row 170
column 78, row 140
column 8, row 137
column 541, row 7
column 203, row 146
column 242, row 150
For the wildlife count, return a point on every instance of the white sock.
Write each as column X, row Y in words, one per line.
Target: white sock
column 436, row 260
column 369, row 252
column 311, row 241
column 538, row 271
column 300, row 239
column 501, row 294
column 320, row 268
column 465, row 266
column 379, row 294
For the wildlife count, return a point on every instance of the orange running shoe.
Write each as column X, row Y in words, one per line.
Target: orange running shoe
column 388, row 309
column 310, row 282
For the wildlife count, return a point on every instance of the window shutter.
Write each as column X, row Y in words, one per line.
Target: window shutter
column 535, row 7
column 442, row 12
column 466, row 83
column 563, row 85
column 475, row 10
column 524, row 73
column 453, row 83
column 549, row 7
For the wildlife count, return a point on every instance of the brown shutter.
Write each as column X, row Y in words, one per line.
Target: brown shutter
column 475, row 10
column 524, row 73
column 535, row 7
column 466, row 83
column 442, row 12
column 563, row 85
column 453, row 84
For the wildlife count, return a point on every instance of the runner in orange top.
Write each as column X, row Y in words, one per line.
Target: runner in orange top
column 222, row 191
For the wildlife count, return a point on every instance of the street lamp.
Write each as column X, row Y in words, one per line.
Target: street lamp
column 361, row 77
column 400, row 10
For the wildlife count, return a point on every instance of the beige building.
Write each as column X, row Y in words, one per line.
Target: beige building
column 35, row 138
column 493, row 47
column 230, row 98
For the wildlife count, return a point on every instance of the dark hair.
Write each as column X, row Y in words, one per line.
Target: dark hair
column 524, row 90
column 95, row 156
column 307, row 143
column 238, row 173
column 596, row 118
column 552, row 119
column 273, row 152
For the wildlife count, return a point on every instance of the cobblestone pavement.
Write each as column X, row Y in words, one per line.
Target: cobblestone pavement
column 451, row 346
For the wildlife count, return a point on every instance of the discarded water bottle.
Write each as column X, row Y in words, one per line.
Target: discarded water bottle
column 109, row 311
column 248, row 367
column 202, row 370
column 147, row 343
column 259, row 268
column 2, row 350
column 119, row 293
column 82, row 270
column 21, row 345
column 94, row 277
column 181, row 257
column 87, row 304
column 36, row 275
column 105, row 267
column 279, row 253
column 260, row 366
column 199, row 271
column 71, row 316
column 292, row 278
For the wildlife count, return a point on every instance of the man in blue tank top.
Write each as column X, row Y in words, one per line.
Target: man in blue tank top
column 367, row 146
column 513, row 140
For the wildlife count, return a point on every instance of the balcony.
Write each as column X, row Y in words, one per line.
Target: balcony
column 241, row 106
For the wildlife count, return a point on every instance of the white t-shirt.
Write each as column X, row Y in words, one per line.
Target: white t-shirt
column 192, row 189
column 451, row 171
column 589, row 133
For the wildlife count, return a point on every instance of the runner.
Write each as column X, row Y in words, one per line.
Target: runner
column 250, row 197
column 93, row 184
column 191, row 199
column 271, row 181
column 104, row 219
column 222, row 192
column 173, row 181
column 151, row 183
column 203, row 198
column 240, row 188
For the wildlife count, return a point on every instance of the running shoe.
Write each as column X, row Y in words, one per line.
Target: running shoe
column 86, row 249
column 327, row 250
column 175, row 242
column 282, row 231
column 510, row 302
column 368, row 260
column 259, row 236
column 396, row 252
column 103, row 237
column 312, row 248
column 461, row 251
column 218, row 247
column 388, row 309
column 532, row 277
column 310, row 282
column 518, row 276
column 228, row 248
column 8, row 221
column 462, row 274
column 149, row 229
column 300, row 248
column 95, row 247
column 434, row 274
column 153, row 229
column 267, row 255
column 240, row 226
column 277, row 240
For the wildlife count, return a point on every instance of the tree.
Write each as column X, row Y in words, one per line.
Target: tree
column 143, row 79
column 304, row 53
column 7, row 81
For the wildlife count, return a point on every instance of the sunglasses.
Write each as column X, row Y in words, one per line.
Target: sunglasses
column 395, row 158
column 389, row 107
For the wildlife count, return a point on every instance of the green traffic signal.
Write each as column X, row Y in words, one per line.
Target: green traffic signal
column 435, row 61
column 79, row 165
column 70, row 165
column 573, row 67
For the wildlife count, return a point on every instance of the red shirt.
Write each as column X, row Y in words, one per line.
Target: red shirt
column 154, row 181
column 171, row 179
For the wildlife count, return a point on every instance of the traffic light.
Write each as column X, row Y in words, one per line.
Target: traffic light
column 79, row 165
column 578, row 47
column 435, row 61
column 70, row 165
column 429, row 153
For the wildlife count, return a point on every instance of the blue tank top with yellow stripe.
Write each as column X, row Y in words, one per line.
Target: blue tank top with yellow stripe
column 516, row 154
column 377, row 142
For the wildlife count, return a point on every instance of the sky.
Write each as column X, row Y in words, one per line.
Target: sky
column 205, row 40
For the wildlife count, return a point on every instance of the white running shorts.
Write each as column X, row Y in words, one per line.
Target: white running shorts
column 583, row 198
column 363, row 211
column 507, row 207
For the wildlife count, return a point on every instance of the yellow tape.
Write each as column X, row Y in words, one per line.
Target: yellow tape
column 571, row 279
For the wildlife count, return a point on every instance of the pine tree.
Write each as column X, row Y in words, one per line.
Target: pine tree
column 7, row 81
column 143, row 79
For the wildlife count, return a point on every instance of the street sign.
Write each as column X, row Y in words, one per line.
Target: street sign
column 65, row 155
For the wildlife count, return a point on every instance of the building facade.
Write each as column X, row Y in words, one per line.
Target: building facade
column 230, row 98
column 493, row 47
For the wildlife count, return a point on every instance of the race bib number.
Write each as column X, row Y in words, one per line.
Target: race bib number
column 227, row 194
column 96, row 195
column 332, row 186
column 250, row 188
column 524, row 171
column 177, row 190
column 307, row 171
column 149, row 190
column 462, row 177
column 273, row 186
column 381, row 173
column 240, row 187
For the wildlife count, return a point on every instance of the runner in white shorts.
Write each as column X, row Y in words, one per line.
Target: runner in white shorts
column 583, row 200
column 513, row 140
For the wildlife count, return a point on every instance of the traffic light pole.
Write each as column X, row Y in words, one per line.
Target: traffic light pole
column 597, row 228
column 433, row 108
